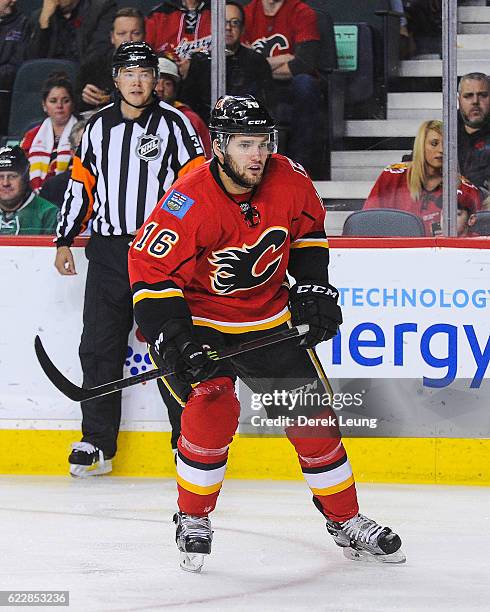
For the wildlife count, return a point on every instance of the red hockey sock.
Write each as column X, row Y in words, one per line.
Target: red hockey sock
column 326, row 469
column 209, row 421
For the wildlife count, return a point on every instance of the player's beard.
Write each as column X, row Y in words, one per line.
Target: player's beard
column 246, row 180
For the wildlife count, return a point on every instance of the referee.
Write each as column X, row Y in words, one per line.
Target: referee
column 131, row 152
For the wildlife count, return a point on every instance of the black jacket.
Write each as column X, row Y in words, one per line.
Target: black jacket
column 247, row 72
column 474, row 156
column 14, row 36
column 86, row 32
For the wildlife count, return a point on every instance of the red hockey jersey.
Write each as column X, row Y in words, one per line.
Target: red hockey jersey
column 166, row 30
column 391, row 191
column 294, row 23
column 196, row 245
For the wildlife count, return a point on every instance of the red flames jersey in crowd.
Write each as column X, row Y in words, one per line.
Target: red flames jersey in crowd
column 165, row 32
column 196, row 245
column 294, row 23
column 391, row 191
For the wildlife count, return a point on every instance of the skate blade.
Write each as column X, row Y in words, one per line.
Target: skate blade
column 85, row 471
column 363, row 555
column 191, row 562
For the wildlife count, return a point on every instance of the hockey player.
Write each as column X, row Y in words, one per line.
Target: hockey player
column 208, row 266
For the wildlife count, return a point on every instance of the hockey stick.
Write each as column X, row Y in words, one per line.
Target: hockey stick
column 79, row 394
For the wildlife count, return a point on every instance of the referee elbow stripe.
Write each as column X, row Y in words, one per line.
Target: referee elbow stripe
column 191, row 165
column 82, row 175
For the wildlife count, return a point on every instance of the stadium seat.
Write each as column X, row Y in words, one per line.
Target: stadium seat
column 384, row 45
column 383, row 222
column 482, row 225
column 26, row 94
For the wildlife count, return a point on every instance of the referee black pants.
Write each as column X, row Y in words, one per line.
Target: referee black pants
column 107, row 321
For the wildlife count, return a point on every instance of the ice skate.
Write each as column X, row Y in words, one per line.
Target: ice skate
column 362, row 539
column 193, row 536
column 87, row 460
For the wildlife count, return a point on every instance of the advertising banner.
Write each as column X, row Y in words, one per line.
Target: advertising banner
column 414, row 348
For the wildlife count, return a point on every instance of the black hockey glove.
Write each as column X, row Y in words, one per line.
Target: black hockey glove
column 315, row 303
column 182, row 353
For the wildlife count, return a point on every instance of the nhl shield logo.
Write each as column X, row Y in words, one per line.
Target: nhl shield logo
column 149, row 147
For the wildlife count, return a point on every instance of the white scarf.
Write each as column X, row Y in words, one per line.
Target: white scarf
column 42, row 148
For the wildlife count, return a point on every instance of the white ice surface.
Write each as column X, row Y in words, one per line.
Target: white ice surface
column 110, row 542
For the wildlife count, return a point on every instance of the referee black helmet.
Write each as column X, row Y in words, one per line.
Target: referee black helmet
column 132, row 54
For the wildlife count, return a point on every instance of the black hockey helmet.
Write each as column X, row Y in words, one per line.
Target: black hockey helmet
column 240, row 115
column 133, row 54
column 13, row 159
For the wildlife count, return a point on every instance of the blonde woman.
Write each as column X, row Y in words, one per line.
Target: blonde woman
column 416, row 186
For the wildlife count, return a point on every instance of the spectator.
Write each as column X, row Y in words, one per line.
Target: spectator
column 166, row 90
column 94, row 83
column 131, row 153
column 181, row 27
column 466, row 220
column 54, row 187
column 14, row 36
column 416, row 186
column 424, row 19
column 71, row 29
column 286, row 33
column 474, row 129
column 21, row 210
column 247, row 72
column 47, row 145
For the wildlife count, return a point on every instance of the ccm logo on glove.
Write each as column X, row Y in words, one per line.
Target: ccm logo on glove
column 327, row 291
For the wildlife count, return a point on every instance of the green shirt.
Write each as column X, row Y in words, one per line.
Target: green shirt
column 36, row 216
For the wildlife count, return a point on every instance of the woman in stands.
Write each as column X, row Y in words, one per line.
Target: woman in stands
column 416, row 186
column 47, row 145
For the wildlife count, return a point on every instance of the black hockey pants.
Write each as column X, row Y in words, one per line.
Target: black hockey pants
column 107, row 321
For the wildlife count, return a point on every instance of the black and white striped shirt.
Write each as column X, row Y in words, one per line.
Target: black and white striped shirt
column 123, row 167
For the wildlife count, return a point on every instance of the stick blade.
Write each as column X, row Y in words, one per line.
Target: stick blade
column 55, row 376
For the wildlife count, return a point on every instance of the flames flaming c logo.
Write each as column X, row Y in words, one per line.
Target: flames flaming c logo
column 246, row 267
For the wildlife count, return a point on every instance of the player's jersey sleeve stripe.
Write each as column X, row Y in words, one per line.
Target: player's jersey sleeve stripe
column 302, row 243
column 151, row 294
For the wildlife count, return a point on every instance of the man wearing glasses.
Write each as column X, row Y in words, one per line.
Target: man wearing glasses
column 247, row 72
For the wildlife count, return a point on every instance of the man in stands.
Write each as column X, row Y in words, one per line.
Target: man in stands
column 21, row 210
column 181, row 27
column 286, row 33
column 94, row 83
column 71, row 29
column 166, row 90
column 247, row 72
column 14, row 35
column 474, row 129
